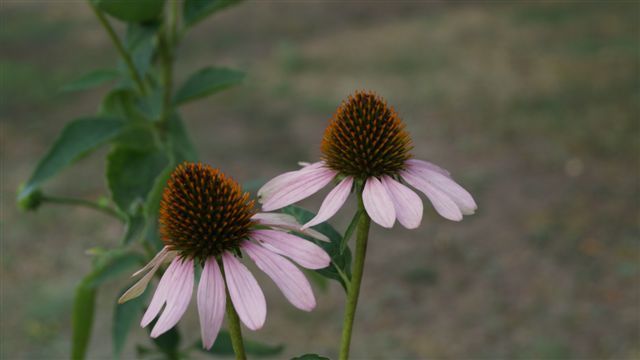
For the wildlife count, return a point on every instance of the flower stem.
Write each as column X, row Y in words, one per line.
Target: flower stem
column 118, row 44
column 82, row 202
column 356, row 278
column 233, row 322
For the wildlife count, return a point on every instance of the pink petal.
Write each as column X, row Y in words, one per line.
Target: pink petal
column 287, row 222
column 332, row 203
column 292, row 187
column 407, row 203
column 305, row 253
column 178, row 297
column 457, row 193
column 160, row 296
column 141, row 285
column 281, row 180
column 288, row 277
column 443, row 204
column 211, row 302
column 245, row 293
column 378, row 203
column 415, row 164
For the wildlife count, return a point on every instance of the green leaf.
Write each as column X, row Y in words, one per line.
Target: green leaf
column 206, row 82
column 131, row 174
column 138, row 137
column 169, row 342
column 352, row 227
column 131, row 11
column 107, row 265
column 122, row 103
column 310, row 357
column 111, row 264
column 196, row 10
column 77, row 139
column 140, row 41
column 340, row 261
column 152, row 206
column 181, row 145
column 320, row 281
column 223, row 347
column 136, row 222
column 82, row 320
column 92, row 79
column 124, row 316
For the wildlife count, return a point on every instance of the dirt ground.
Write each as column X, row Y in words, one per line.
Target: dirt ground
column 532, row 106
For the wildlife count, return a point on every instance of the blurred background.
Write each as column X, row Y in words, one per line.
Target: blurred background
column 534, row 107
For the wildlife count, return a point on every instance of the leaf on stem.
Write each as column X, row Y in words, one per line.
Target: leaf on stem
column 152, row 206
column 182, row 147
column 207, row 81
column 124, row 316
column 82, row 320
column 131, row 11
column 107, row 265
column 77, row 139
column 168, row 342
column 140, row 43
column 135, row 225
column 352, row 227
column 197, row 10
column 131, row 174
column 340, row 261
column 93, row 79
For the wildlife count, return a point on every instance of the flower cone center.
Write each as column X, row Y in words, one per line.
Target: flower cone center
column 366, row 138
column 203, row 212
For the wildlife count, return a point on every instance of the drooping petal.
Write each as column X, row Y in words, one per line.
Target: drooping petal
column 140, row 286
column 443, row 204
column 160, row 296
column 415, row 164
column 178, row 297
column 281, row 180
column 378, row 203
column 156, row 259
column 457, row 193
column 303, row 252
column 245, row 293
column 406, row 203
column 287, row 222
column 291, row 281
column 211, row 302
column 332, row 203
column 289, row 188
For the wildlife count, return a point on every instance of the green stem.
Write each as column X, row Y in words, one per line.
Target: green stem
column 173, row 22
column 166, row 58
column 233, row 322
column 118, row 44
column 82, row 202
column 356, row 278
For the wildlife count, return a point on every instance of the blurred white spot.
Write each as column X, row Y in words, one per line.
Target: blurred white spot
column 574, row 167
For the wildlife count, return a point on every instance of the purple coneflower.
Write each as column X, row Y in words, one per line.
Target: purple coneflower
column 367, row 142
column 206, row 220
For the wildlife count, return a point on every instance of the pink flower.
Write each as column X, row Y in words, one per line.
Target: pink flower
column 206, row 220
column 366, row 143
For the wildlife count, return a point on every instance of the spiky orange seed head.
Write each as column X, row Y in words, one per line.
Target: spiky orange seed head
column 366, row 138
column 203, row 212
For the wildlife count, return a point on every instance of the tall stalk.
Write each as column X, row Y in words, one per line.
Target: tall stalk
column 356, row 278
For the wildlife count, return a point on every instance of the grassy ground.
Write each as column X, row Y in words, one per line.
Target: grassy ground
column 533, row 107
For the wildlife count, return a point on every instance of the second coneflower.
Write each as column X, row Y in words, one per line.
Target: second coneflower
column 366, row 147
column 366, row 141
column 206, row 220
